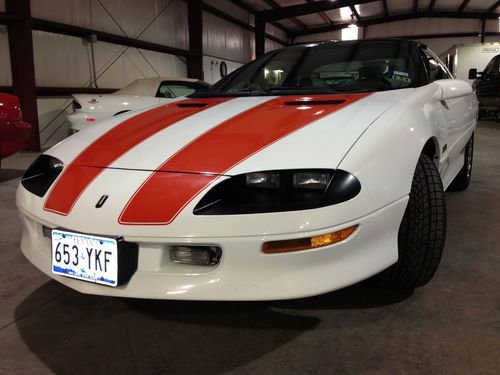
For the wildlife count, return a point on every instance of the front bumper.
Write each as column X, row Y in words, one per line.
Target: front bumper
column 245, row 272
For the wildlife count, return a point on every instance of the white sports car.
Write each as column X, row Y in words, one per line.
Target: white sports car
column 141, row 93
column 305, row 171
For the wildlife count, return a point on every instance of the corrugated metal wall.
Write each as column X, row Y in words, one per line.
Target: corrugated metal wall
column 66, row 61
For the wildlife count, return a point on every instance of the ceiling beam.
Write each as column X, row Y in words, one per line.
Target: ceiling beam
column 85, row 33
column 323, row 15
column 219, row 13
column 431, row 6
column 252, row 11
column 463, row 5
column 356, row 14
column 386, row 8
column 308, row 8
column 6, row 18
column 494, row 7
column 273, row 4
column 244, row 6
column 400, row 17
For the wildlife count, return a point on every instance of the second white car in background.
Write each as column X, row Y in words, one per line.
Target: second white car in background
column 141, row 93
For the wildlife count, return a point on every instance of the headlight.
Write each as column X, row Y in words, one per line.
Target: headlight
column 311, row 180
column 41, row 174
column 268, row 180
column 275, row 191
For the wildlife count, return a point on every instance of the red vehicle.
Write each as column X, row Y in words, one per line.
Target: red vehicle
column 14, row 132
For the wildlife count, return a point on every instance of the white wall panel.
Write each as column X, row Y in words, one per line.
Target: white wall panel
column 272, row 45
column 66, row 61
column 492, row 39
column 278, row 33
column 71, row 12
column 5, row 73
column 440, row 45
column 61, row 60
column 52, row 120
column 230, row 8
column 117, row 66
column 2, row 5
column 493, row 26
column 158, row 21
column 423, row 26
column 170, row 27
column 331, row 35
column 225, row 40
column 211, row 68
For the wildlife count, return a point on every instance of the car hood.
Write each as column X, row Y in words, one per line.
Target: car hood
column 229, row 136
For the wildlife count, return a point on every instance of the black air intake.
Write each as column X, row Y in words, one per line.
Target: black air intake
column 41, row 174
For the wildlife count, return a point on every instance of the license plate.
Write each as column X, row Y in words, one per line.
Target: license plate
column 84, row 257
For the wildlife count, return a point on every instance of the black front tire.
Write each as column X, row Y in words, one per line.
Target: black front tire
column 462, row 180
column 422, row 232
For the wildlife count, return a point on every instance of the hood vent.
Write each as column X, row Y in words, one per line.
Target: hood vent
column 315, row 102
column 191, row 105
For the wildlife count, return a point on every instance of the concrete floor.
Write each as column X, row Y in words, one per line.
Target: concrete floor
column 451, row 326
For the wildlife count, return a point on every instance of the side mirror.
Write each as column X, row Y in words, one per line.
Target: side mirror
column 473, row 74
column 453, row 88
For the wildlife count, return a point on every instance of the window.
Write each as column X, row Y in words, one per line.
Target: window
column 272, row 74
column 350, row 33
column 355, row 66
column 435, row 68
column 174, row 89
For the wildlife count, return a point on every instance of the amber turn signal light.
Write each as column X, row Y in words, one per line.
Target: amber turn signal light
column 299, row 244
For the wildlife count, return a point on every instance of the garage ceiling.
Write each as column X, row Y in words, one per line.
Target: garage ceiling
column 337, row 14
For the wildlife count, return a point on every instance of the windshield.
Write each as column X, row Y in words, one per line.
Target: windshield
column 493, row 66
column 360, row 66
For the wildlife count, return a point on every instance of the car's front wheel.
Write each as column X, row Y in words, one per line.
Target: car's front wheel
column 422, row 231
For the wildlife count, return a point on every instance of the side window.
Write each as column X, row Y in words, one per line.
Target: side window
column 435, row 68
column 164, row 91
column 174, row 89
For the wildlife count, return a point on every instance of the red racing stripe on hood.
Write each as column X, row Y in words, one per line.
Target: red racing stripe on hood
column 163, row 195
column 113, row 144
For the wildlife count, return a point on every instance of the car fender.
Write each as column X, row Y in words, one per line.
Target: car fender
column 385, row 156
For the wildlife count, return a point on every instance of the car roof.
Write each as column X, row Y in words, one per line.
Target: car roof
column 149, row 86
column 334, row 42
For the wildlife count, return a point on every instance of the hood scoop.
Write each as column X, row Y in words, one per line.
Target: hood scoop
column 192, row 105
column 314, row 102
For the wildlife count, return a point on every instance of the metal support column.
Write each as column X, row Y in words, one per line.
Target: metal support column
column 483, row 29
column 195, row 22
column 260, row 37
column 22, row 64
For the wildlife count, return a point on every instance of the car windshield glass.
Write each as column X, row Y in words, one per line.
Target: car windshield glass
column 360, row 66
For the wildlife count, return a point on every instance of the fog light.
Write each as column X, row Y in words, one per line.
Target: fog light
column 200, row 255
column 307, row 243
